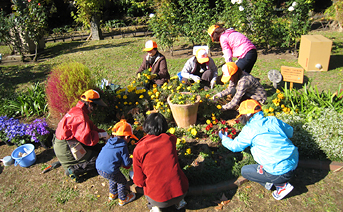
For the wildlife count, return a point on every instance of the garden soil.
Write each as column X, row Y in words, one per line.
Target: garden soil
column 26, row 189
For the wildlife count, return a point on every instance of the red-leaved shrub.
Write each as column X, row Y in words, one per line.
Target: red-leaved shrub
column 66, row 83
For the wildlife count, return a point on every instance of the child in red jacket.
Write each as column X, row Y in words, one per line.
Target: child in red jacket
column 156, row 167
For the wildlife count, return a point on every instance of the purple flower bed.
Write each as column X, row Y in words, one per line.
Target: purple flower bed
column 12, row 131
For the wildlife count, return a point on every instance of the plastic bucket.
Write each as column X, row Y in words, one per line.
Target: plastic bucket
column 26, row 160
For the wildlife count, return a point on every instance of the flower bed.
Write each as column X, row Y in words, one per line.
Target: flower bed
column 12, row 131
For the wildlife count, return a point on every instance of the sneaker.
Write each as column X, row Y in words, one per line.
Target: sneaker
column 69, row 172
column 155, row 209
column 181, row 204
column 112, row 196
column 281, row 192
column 131, row 196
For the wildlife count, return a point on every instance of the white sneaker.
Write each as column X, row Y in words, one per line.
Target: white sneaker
column 181, row 204
column 155, row 209
column 281, row 192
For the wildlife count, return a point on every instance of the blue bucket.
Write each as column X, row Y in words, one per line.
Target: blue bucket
column 26, row 160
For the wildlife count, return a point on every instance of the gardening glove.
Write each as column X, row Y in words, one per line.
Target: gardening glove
column 195, row 78
column 215, row 97
column 103, row 135
column 213, row 82
column 221, row 134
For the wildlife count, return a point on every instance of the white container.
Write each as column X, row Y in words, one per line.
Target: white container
column 7, row 161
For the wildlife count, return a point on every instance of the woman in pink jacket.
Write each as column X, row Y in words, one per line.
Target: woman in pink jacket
column 234, row 44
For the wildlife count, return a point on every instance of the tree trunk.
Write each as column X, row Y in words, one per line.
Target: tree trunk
column 95, row 28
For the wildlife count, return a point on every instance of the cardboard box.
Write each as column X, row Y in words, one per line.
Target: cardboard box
column 314, row 52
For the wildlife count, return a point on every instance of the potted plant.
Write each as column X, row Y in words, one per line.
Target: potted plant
column 184, row 107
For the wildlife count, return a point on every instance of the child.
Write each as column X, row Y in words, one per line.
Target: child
column 114, row 155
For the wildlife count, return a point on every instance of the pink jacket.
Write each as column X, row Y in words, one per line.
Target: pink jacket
column 234, row 44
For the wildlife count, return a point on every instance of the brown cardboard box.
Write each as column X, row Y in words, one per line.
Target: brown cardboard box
column 314, row 52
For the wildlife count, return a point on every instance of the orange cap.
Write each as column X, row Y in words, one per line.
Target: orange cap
column 150, row 45
column 250, row 106
column 211, row 29
column 202, row 56
column 229, row 69
column 122, row 128
column 93, row 96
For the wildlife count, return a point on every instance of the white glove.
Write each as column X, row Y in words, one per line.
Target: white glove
column 213, row 82
column 103, row 135
column 215, row 97
column 195, row 78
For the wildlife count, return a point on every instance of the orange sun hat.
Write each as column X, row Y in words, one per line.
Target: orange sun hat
column 93, row 96
column 150, row 45
column 202, row 56
column 250, row 106
column 122, row 128
column 229, row 69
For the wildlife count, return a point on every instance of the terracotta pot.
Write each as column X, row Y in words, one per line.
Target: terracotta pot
column 184, row 115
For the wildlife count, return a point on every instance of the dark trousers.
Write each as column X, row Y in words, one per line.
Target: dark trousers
column 165, row 204
column 205, row 77
column 248, row 61
column 256, row 173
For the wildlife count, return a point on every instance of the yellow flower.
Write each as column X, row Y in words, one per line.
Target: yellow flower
column 194, row 132
column 172, row 130
column 208, row 121
column 188, row 151
column 219, row 107
column 155, row 89
column 183, row 140
column 271, row 114
column 118, row 96
column 148, row 112
column 178, row 140
column 137, row 103
column 208, row 96
column 141, row 96
column 125, row 103
column 271, row 109
column 125, row 97
column 213, row 118
column 266, row 110
column 214, row 122
column 280, row 96
column 116, row 106
column 282, row 106
column 154, row 85
column 278, row 91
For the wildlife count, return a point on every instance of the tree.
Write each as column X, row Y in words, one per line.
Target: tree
column 88, row 13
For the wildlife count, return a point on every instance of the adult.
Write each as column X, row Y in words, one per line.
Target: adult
column 200, row 68
column 156, row 167
column 234, row 44
column 157, row 62
column 76, row 137
column 270, row 145
column 242, row 86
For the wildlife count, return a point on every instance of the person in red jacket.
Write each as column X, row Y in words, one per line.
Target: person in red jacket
column 156, row 167
column 76, row 137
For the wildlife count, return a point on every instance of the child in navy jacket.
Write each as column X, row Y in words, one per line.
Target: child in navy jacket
column 114, row 155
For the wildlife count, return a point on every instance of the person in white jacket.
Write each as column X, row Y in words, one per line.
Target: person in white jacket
column 268, row 139
column 200, row 68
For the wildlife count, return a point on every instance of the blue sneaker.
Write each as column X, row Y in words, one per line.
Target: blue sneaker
column 281, row 192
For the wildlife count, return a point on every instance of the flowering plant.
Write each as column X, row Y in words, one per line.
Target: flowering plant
column 213, row 128
column 183, row 98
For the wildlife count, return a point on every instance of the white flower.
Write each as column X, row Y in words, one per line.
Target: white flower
column 239, row 1
column 294, row 4
column 151, row 15
column 241, row 8
column 290, row 8
column 233, row 1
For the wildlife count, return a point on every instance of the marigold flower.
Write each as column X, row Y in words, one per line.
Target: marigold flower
column 172, row 130
column 178, row 140
column 208, row 121
column 141, row 96
column 219, row 107
column 188, row 151
column 194, row 132
column 271, row 109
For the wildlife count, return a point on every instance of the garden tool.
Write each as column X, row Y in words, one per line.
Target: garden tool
column 52, row 166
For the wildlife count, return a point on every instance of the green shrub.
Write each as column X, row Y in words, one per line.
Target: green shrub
column 319, row 138
column 66, row 83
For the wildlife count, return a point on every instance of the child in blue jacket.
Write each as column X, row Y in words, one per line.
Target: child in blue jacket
column 268, row 139
column 114, row 155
